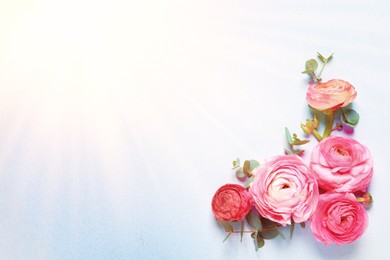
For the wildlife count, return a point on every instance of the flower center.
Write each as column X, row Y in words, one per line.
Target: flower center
column 341, row 151
column 286, row 186
column 347, row 221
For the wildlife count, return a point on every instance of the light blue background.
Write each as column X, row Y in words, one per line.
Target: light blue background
column 119, row 120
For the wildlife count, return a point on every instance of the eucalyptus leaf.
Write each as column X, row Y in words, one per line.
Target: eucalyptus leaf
column 240, row 173
column 288, row 135
column 269, row 229
column 269, row 233
column 236, row 163
column 311, row 65
column 254, row 221
column 227, row 226
column 249, row 181
column 253, row 164
column 292, row 227
column 242, row 230
column 329, row 58
column 322, row 58
column 351, row 116
column 253, row 234
column 267, row 223
column 260, row 241
column 280, row 232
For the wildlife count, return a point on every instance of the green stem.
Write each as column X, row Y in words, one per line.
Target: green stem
column 315, row 77
column 292, row 149
column 323, row 66
column 329, row 124
column 317, row 135
column 247, row 231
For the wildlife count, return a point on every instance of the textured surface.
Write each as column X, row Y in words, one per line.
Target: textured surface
column 119, row 119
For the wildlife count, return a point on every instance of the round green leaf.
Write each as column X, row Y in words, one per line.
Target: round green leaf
column 311, row 65
column 253, row 164
column 260, row 241
column 351, row 116
column 240, row 173
column 227, row 226
column 288, row 135
column 267, row 223
column 254, row 221
column 249, row 181
column 269, row 233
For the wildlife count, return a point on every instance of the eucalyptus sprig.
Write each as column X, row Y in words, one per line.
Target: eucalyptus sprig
column 245, row 171
column 294, row 140
column 312, row 65
column 349, row 116
column 261, row 229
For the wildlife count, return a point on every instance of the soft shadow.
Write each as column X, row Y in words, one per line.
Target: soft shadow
column 333, row 251
column 348, row 251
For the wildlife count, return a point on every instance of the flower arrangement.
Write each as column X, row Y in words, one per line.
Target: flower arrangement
column 330, row 191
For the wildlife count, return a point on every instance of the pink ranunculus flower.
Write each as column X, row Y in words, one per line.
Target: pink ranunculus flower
column 339, row 219
column 231, row 202
column 330, row 95
column 342, row 164
column 285, row 189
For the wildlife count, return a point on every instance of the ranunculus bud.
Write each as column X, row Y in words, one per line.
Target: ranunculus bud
column 310, row 125
column 366, row 200
column 231, row 202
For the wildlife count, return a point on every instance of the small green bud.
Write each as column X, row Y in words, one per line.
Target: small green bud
column 236, row 163
column 366, row 200
column 306, row 129
column 316, row 122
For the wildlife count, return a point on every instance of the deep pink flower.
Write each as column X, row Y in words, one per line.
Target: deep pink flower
column 231, row 202
column 341, row 164
column 330, row 95
column 284, row 189
column 339, row 219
